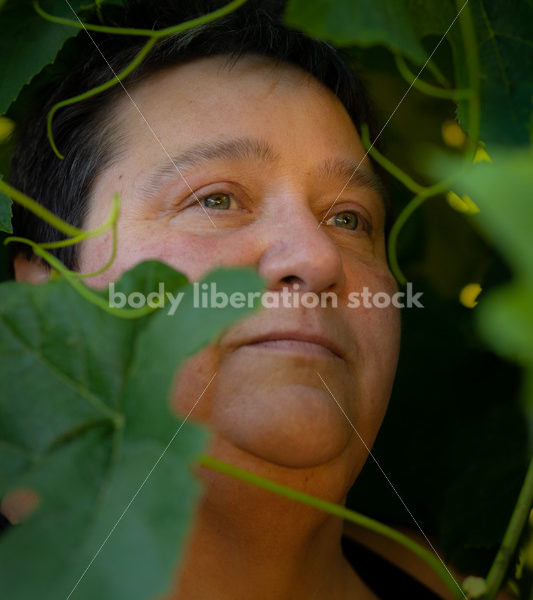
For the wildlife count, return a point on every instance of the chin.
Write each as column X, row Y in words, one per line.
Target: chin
column 291, row 425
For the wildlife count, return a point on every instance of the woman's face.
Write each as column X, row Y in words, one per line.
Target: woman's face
column 265, row 175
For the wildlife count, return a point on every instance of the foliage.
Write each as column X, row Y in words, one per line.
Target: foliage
column 436, row 59
column 94, row 413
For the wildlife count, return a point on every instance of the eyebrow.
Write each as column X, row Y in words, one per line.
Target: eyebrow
column 260, row 150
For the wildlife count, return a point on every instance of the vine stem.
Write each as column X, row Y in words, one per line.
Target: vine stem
column 511, row 538
column 90, row 295
column 427, row 88
column 472, row 63
column 153, row 37
column 387, row 164
column 49, row 217
column 422, row 194
column 39, row 210
column 415, row 203
column 95, row 91
column 339, row 511
column 212, row 16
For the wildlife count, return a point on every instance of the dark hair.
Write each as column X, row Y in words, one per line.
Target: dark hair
column 85, row 133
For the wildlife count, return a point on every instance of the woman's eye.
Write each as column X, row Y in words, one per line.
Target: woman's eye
column 346, row 219
column 218, row 201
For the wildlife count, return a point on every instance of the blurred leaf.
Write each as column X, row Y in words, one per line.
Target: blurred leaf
column 361, row 22
column 84, row 417
column 506, row 319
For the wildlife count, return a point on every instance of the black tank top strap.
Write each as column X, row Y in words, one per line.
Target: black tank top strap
column 386, row 580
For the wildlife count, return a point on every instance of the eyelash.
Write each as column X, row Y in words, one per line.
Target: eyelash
column 364, row 222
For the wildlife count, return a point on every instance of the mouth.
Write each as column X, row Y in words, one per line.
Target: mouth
column 295, row 343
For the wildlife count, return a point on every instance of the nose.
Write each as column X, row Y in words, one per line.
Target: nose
column 297, row 250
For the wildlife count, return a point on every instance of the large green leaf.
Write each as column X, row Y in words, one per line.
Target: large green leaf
column 28, row 43
column 361, row 22
column 84, row 417
column 504, row 38
column 502, row 33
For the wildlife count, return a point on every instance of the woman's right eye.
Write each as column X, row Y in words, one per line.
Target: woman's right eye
column 219, row 201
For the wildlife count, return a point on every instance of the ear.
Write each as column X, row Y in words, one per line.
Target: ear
column 30, row 270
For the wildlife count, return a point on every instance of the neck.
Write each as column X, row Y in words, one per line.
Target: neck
column 248, row 542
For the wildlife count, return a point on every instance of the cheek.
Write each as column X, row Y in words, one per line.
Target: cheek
column 377, row 331
column 193, row 255
column 192, row 392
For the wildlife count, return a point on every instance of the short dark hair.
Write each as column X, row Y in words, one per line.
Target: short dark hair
column 85, row 132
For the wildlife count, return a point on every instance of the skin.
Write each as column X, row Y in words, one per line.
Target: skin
column 267, row 407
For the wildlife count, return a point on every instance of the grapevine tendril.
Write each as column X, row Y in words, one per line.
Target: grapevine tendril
column 153, row 37
column 422, row 194
column 427, row 88
column 90, row 295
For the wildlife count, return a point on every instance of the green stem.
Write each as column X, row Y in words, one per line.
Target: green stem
column 58, row 223
column 435, row 71
column 95, row 91
column 111, row 258
column 109, row 222
column 415, row 203
column 472, row 64
column 387, row 164
column 39, row 210
column 340, row 511
column 422, row 194
column 212, row 16
column 83, row 290
column 98, row 28
column 511, row 538
column 427, row 88
column 153, row 36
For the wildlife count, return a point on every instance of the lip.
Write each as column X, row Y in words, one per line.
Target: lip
column 303, row 343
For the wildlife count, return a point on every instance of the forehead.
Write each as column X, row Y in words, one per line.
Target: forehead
column 251, row 109
column 253, row 96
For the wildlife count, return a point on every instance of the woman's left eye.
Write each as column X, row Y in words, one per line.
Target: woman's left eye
column 346, row 219
column 218, row 201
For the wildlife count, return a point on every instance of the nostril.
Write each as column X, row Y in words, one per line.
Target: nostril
column 291, row 280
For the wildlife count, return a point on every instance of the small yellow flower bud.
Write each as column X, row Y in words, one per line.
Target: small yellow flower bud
column 469, row 294
column 464, row 205
column 452, row 134
column 481, row 155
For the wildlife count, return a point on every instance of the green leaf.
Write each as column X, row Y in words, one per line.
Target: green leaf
column 504, row 39
column 506, row 319
column 84, row 418
column 361, row 22
column 28, row 43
